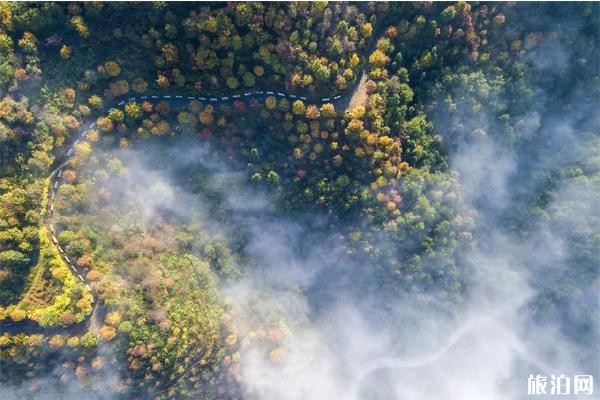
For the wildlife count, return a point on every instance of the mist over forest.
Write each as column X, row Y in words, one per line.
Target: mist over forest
column 307, row 200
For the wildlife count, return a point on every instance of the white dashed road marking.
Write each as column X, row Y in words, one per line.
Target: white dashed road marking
column 121, row 103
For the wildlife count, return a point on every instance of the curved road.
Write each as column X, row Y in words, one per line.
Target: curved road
column 467, row 327
column 28, row 326
column 56, row 179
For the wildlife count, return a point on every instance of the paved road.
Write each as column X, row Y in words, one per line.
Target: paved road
column 63, row 159
column 29, row 327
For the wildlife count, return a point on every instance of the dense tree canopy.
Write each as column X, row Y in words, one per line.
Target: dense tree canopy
column 366, row 107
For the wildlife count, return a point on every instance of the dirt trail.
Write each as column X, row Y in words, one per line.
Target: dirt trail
column 359, row 96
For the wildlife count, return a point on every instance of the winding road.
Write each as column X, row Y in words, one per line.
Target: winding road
column 495, row 321
column 56, row 178
column 91, row 322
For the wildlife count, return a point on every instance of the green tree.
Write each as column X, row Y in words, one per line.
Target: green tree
column 133, row 110
column 89, row 340
column 232, row 83
column 249, row 79
column 298, row 107
column 14, row 259
column 116, row 115
column 112, row 68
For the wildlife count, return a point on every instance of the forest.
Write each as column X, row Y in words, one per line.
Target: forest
column 298, row 200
